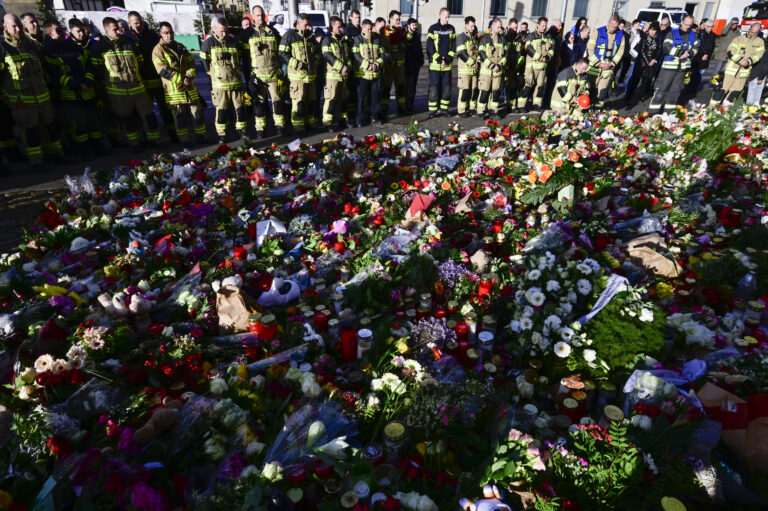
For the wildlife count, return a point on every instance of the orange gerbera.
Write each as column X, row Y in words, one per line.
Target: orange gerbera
column 532, row 177
column 558, row 162
column 574, row 156
column 546, row 173
column 445, row 186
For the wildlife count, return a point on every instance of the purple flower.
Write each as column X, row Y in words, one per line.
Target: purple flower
column 450, row 272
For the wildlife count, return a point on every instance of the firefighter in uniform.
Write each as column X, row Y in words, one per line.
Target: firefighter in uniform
column 338, row 61
column 176, row 68
column 493, row 53
column 394, row 68
column 221, row 60
column 511, row 82
column 351, row 31
column 75, row 78
column 467, row 53
column 23, row 82
column 299, row 51
column 264, row 47
column 7, row 137
column 148, row 40
column 441, row 44
column 680, row 46
column 605, row 49
column 571, row 84
column 744, row 52
column 540, row 48
column 368, row 54
column 117, row 60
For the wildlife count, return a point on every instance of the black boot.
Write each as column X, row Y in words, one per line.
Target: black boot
column 15, row 155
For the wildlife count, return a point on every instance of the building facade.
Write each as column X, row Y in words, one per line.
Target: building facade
column 596, row 11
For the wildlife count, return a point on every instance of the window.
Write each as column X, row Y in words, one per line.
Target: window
column 647, row 16
column 498, row 7
column 581, row 9
column 406, row 9
column 455, row 7
column 539, row 8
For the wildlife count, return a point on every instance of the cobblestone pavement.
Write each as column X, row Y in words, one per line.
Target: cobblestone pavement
column 24, row 194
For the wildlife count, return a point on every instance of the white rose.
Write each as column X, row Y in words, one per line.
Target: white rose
column 642, row 421
column 590, row 355
column 218, row 386
column 272, row 471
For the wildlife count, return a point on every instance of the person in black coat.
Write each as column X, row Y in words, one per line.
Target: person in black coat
column 569, row 51
column 414, row 61
column 649, row 55
column 707, row 39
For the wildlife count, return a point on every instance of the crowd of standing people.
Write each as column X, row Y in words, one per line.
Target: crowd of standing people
column 69, row 90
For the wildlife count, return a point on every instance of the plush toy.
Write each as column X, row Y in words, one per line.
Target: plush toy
column 282, row 292
column 491, row 501
column 140, row 306
column 136, row 252
column 233, row 280
column 161, row 420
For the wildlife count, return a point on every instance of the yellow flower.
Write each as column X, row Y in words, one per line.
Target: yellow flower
column 394, row 186
column 370, row 165
column 402, row 347
column 242, row 371
column 688, row 137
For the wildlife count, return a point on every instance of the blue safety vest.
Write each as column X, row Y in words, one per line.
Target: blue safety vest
column 601, row 47
column 671, row 61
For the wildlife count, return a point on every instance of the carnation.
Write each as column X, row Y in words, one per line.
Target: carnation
column 583, row 286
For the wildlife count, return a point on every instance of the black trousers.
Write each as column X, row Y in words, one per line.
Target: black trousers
column 367, row 94
column 439, row 90
column 411, row 81
column 669, row 88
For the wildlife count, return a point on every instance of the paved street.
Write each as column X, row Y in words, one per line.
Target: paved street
column 23, row 194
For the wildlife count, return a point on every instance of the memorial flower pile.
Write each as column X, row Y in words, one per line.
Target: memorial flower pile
column 551, row 314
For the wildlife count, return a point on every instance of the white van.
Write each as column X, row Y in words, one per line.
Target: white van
column 675, row 15
column 317, row 19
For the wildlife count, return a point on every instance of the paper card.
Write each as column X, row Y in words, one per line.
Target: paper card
column 294, row 146
column 566, row 193
column 480, row 260
column 463, row 205
column 420, row 203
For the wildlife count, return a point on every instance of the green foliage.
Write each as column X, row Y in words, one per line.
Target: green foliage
column 46, row 13
column 725, row 271
column 711, row 142
column 620, row 338
column 152, row 25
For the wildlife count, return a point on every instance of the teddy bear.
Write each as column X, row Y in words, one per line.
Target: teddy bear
column 161, row 420
column 281, row 292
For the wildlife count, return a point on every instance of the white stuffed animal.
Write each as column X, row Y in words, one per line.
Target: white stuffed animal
column 233, row 280
column 140, row 306
column 282, row 292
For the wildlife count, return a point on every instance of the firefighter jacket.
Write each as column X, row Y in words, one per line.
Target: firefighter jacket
column 300, row 52
column 396, row 38
column 264, row 48
column 69, row 67
column 221, row 60
column 147, row 40
column 441, row 46
column 744, row 47
column 723, row 41
column 23, row 77
column 173, row 63
column 569, row 86
column 118, row 65
column 493, row 52
column 540, row 48
column 604, row 47
column 468, row 53
column 367, row 51
column 245, row 55
column 675, row 45
column 337, row 57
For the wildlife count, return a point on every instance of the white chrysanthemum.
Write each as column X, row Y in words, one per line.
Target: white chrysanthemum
column 590, row 355
column 412, row 365
column 553, row 322
column 562, row 349
column 583, row 286
column 44, row 363
column 514, row 325
column 534, row 275
column 553, row 286
column 566, row 333
column 526, row 323
column 585, row 269
column 536, row 298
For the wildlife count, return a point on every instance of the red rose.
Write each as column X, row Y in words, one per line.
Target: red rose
column 59, row 446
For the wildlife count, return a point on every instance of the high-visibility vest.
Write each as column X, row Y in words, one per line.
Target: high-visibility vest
column 680, row 44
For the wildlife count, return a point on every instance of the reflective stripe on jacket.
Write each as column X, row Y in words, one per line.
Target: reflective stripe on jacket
column 604, row 47
column 744, row 47
column 570, row 85
column 441, row 44
column 264, row 47
column 336, row 54
column 468, row 52
column 675, row 45
column 367, row 51
column 69, row 68
column 540, row 48
column 23, row 76
column 300, row 52
column 221, row 60
column 119, row 62
column 173, row 63
column 493, row 51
